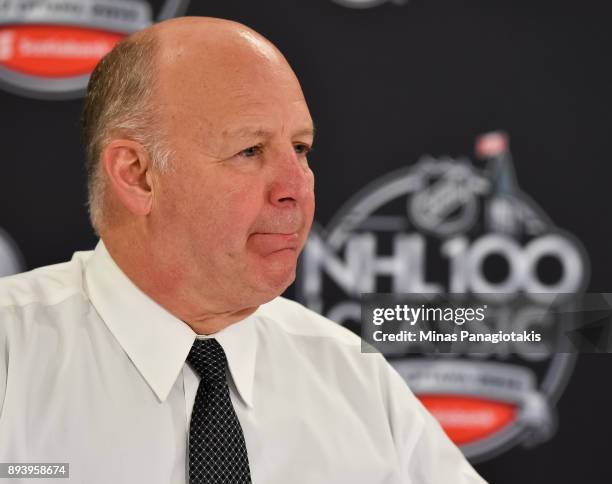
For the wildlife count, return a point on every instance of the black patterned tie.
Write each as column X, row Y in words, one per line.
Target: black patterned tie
column 217, row 452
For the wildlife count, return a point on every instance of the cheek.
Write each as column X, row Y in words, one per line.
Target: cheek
column 228, row 213
column 211, row 209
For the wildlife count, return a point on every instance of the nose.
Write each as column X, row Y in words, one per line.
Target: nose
column 292, row 180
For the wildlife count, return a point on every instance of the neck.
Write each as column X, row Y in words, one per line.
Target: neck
column 164, row 287
column 210, row 324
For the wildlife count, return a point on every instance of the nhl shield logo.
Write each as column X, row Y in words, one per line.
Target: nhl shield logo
column 48, row 48
column 450, row 226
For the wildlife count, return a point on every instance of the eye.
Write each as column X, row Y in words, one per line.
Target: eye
column 251, row 151
column 302, row 149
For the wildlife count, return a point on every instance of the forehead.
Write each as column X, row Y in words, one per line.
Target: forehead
column 219, row 64
column 232, row 96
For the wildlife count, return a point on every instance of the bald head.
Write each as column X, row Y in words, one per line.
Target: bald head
column 212, row 38
column 138, row 89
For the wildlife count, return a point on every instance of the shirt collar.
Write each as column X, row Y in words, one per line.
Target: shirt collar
column 145, row 330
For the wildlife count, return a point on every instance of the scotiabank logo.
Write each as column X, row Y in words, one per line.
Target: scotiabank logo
column 450, row 226
column 48, row 48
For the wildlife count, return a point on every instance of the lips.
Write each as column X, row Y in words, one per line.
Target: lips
column 268, row 243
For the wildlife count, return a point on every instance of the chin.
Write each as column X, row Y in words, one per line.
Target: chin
column 280, row 284
column 268, row 277
column 274, row 283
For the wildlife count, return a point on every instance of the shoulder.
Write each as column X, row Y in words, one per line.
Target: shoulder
column 295, row 319
column 323, row 340
column 45, row 286
column 336, row 354
column 302, row 334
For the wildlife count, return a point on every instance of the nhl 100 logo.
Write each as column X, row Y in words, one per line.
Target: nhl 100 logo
column 450, row 226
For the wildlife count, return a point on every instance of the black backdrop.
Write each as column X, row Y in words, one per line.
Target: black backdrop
column 386, row 85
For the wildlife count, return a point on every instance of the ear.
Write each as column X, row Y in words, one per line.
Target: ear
column 128, row 168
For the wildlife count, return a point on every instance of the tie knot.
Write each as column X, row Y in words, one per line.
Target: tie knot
column 207, row 358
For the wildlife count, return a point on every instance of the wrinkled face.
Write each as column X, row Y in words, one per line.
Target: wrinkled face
column 234, row 212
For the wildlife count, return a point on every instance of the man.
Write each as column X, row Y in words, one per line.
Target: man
column 197, row 136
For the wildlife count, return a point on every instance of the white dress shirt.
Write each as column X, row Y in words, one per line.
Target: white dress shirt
column 93, row 373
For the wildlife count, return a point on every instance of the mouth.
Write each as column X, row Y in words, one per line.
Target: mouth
column 267, row 243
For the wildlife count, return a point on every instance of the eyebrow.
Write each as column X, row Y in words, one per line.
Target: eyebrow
column 264, row 133
column 308, row 132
